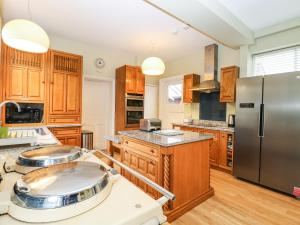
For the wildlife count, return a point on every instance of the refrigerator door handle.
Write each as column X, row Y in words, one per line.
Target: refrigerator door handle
column 261, row 120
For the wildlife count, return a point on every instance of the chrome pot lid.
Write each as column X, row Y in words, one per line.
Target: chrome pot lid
column 47, row 156
column 59, row 185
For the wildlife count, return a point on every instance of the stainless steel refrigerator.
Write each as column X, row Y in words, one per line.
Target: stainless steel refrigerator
column 267, row 149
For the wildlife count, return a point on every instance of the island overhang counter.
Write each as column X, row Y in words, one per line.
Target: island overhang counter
column 179, row 163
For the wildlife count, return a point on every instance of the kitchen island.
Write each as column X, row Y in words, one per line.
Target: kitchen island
column 179, row 163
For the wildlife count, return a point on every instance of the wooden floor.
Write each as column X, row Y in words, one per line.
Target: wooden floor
column 239, row 202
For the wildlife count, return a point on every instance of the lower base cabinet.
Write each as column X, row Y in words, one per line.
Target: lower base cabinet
column 68, row 135
column 221, row 148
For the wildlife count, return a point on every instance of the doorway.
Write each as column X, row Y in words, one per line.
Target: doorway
column 98, row 102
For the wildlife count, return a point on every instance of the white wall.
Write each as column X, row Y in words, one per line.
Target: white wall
column 151, row 101
column 274, row 41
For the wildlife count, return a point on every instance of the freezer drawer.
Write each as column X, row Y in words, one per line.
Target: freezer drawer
column 247, row 148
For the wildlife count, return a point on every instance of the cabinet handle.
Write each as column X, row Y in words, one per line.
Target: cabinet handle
column 152, row 151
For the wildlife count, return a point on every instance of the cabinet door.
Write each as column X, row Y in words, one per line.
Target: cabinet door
column 140, row 82
column 62, row 140
column 187, row 85
column 130, row 80
column 35, row 84
column 214, row 147
column 228, row 84
column 57, row 93
column 223, row 150
column 16, row 83
column 73, row 94
column 75, row 141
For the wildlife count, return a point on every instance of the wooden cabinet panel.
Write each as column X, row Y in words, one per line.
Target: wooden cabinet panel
column 68, row 135
column 214, row 147
column 57, row 93
column 35, row 84
column 65, row 88
column 133, row 160
column 16, row 82
column 189, row 81
column 142, row 165
column 228, row 79
column 72, row 93
column 140, row 82
column 223, row 150
column 152, row 170
column 130, row 83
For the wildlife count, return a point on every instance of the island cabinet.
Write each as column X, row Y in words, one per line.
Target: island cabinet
column 182, row 168
column 67, row 135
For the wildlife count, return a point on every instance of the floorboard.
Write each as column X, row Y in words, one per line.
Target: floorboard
column 239, row 202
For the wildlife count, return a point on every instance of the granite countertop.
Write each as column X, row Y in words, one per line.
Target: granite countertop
column 166, row 141
column 63, row 125
column 220, row 128
column 114, row 138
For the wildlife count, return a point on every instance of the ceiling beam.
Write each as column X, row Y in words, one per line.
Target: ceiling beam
column 210, row 18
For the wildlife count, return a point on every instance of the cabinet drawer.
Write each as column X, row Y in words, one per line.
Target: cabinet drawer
column 147, row 149
column 66, row 131
column 63, row 119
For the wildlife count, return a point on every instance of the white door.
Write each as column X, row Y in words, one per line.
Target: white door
column 97, row 110
column 151, row 102
column 171, row 108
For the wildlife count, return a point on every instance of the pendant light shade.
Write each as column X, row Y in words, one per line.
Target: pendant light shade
column 153, row 66
column 26, row 36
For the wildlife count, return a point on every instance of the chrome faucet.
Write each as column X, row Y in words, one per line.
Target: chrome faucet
column 5, row 102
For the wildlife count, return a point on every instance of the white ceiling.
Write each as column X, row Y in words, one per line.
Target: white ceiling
column 129, row 25
column 260, row 14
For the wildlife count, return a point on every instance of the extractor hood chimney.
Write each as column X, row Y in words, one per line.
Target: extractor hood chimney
column 210, row 83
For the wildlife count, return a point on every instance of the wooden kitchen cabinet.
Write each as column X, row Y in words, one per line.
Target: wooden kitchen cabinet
column 24, row 75
column 143, row 164
column 221, row 148
column 129, row 81
column 68, row 135
column 214, row 146
column 134, row 79
column 65, row 88
column 189, row 81
column 228, row 79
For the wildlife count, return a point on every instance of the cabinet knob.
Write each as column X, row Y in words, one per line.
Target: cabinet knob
column 152, row 151
column 126, row 142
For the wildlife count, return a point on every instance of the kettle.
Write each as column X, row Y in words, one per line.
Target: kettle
column 231, row 120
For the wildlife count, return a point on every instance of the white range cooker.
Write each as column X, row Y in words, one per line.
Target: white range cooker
column 61, row 185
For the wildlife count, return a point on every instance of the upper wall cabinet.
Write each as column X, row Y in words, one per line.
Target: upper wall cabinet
column 135, row 80
column 23, row 75
column 65, row 88
column 229, row 76
column 189, row 81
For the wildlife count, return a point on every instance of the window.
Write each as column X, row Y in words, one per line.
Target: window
column 175, row 93
column 279, row 61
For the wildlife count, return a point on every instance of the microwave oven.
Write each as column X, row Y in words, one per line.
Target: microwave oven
column 30, row 113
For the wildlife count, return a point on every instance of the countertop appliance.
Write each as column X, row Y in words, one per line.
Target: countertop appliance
column 267, row 131
column 150, row 124
column 231, row 120
column 29, row 113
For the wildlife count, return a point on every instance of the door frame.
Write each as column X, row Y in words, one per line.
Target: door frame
column 112, row 81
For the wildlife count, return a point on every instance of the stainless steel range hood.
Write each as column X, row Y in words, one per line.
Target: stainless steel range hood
column 210, row 84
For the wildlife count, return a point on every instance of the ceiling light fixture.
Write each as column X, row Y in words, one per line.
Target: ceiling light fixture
column 25, row 35
column 153, row 66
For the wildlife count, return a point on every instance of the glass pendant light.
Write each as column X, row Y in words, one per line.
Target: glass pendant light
column 25, row 35
column 153, row 66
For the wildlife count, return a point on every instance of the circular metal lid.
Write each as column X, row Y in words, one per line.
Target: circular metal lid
column 59, row 185
column 47, row 156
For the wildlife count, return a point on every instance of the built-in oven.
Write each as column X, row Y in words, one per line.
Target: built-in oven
column 30, row 113
column 134, row 109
